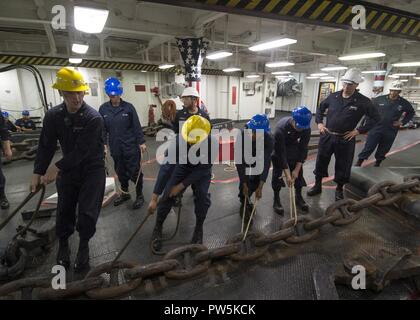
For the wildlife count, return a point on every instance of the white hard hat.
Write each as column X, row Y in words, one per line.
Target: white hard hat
column 190, row 92
column 352, row 76
column 396, row 85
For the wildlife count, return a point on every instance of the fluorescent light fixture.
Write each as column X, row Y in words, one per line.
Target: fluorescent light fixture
column 252, row 76
column 319, row 74
column 144, row 71
column 218, row 55
column 271, row 44
column 334, row 68
column 90, row 20
column 283, row 77
column 404, row 74
column 327, row 78
column 231, row 69
column 166, row 66
column 362, row 56
column 374, row 71
column 404, row 80
column 279, row 64
column 75, row 60
column 280, row 72
column 407, row 64
column 393, row 76
column 312, row 78
column 79, row 48
column 417, row 78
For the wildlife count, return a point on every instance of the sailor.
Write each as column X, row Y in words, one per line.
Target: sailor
column 248, row 181
column 345, row 109
column 176, row 175
column 125, row 138
column 80, row 173
column 7, row 151
column 9, row 124
column 391, row 108
column 25, row 123
column 291, row 138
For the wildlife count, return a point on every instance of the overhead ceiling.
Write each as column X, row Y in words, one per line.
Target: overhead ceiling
column 142, row 32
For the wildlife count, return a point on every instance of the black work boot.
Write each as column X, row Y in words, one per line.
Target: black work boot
column 63, row 254
column 359, row 162
column 278, row 208
column 157, row 236
column 300, row 202
column 378, row 163
column 139, row 199
column 339, row 195
column 4, row 203
column 316, row 189
column 82, row 258
column 123, row 197
column 198, row 233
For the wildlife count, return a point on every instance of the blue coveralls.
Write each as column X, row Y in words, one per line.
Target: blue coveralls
column 290, row 147
column 4, row 136
column 253, row 181
column 81, row 180
column 384, row 133
column 197, row 175
column 343, row 116
column 124, row 136
column 27, row 124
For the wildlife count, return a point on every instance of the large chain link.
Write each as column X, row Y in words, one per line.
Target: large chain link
column 191, row 261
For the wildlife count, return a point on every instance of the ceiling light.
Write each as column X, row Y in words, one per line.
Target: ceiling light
column 90, row 20
column 319, row 74
column 407, row 64
column 334, row 68
column 75, row 60
column 252, row 76
column 283, row 77
column 404, row 74
column 327, row 78
column 374, row 71
column 143, row 71
column 280, row 72
column 166, row 66
column 404, row 80
column 271, row 44
column 218, row 55
column 79, row 48
column 231, row 69
column 362, row 56
column 310, row 78
column 417, row 78
column 393, row 76
column 279, row 64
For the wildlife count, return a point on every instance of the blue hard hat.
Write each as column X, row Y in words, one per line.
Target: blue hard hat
column 259, row 121
column 5, row 114
column 302, row 116
column 113, row 87
column 25, row 113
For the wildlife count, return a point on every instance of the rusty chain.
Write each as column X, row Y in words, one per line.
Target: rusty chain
column 191, row 261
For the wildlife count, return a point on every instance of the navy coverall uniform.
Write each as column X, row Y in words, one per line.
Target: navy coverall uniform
column 81, row 179
column 253, row 181
column 183, row 115
column 27, row 124
column 343, row 116
column 197, row 175
column 290, row 147
column 124, row 135
column 384, row 133
column 4, row 136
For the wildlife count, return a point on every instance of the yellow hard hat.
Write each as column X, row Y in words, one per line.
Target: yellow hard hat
column 70, row 80
column 195, row 129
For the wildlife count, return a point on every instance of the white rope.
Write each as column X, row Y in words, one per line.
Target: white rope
column 250, row 219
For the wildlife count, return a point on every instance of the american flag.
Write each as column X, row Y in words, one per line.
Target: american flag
column 193, row 51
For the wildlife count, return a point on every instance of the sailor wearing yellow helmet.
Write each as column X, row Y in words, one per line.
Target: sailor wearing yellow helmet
column 182, row 168
column 80, row 173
